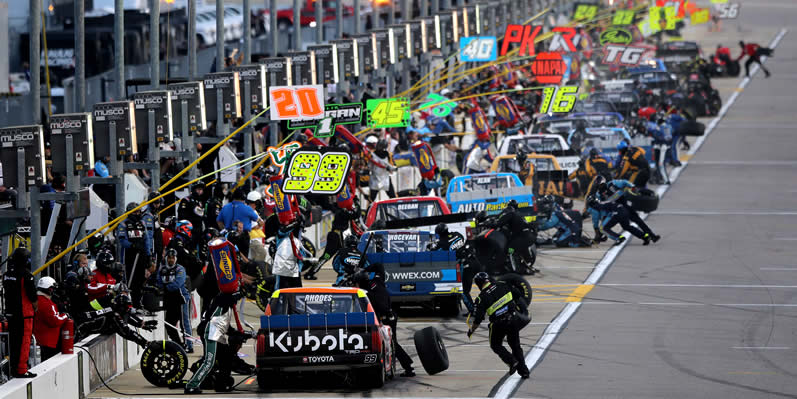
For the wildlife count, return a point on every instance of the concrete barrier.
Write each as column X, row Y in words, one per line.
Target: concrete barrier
column 75, row 376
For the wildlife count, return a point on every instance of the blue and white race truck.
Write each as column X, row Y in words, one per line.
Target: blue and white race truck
column 489, row 192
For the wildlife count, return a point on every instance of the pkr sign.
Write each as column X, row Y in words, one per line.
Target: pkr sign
column 564, row 40
column 523, row 34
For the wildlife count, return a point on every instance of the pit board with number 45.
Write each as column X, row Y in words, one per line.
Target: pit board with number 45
column 478, row 49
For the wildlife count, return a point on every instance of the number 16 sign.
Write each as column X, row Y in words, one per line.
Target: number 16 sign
column 477, row 49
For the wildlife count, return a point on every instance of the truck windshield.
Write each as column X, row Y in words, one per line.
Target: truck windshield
column 399, row 242
column 487, row 183
column 407, row 210
column 538, row 144
column 315, row 303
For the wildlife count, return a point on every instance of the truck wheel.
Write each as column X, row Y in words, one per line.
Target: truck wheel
column 431, row 350
column 373, row 377
column 519, row 283
column 266, row 380
column 449, row 306
column 164, row 363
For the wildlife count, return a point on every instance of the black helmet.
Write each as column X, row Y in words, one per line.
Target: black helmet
column 20, row 258
column 153, row 195
column 171, row 252
column 593, row 152
column 118, row 271
column 481, row 216
column 381, row 145
column 580, row 124
column 511, row 204
column 301, row 138
column 441, row 230
column 95, row 242
column 131, row 206
column 198, row 185
column 351, row 241
column 105, row 261
column 603, row 187
column 481, row 279
column 211, row 233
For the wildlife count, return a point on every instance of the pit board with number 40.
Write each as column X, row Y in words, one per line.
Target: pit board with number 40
column 478, row 49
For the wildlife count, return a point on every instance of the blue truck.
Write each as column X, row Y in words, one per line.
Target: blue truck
column 489, row 192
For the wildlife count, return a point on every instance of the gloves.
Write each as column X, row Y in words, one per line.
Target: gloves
column 150, row 325
column 391, row 168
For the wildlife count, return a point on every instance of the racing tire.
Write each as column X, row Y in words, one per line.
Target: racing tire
column 691, row 128
column 449, row 306
column 431, row 350
column 267, row 380
column 308, row 245
column 647, row 201
column 373, row 377
column 733, row 69
column 164, row 363
column 518, row 282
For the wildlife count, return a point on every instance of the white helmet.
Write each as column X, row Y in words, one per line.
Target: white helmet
column 253, row 196
column 46, row 283
column 371, row 140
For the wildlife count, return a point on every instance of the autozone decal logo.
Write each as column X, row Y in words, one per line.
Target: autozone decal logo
column 472, row 207
column 417, row 276
column 318, row 359
column 615, row 54
column 342, row 341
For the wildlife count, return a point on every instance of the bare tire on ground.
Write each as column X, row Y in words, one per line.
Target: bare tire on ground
column 164, row 363
column 431, row 350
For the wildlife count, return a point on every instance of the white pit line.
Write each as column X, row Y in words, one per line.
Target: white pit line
column 558, row 324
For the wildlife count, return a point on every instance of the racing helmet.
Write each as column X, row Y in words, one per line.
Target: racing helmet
column 105, row 261
column 441, row 230
column 482, row 280
column 512, row 204
column 199, row 185
column 372, row 140
column 95, row 242
column 351, row 241
column 171, row 252
column 184, row 227
column 151, row 196
column 381, row 145
column 211, row 233
column 594, row 153
column 131, row 206
column 47, row 285
column 20, row 258
column 622, row 146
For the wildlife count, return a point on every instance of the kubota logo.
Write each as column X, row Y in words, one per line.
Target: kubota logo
column 287, row 343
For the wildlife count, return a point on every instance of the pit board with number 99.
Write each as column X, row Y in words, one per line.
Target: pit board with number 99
column 318, row 171
column 477, row 49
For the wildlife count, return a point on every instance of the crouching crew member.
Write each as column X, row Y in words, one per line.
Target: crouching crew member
column 506, row 311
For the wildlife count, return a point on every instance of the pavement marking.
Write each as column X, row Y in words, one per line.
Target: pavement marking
column 776, row 305
column 697, row 285
column 671, row 303
column 726, row 213
column 753, row 372
column 763, row 347
column 579, row 293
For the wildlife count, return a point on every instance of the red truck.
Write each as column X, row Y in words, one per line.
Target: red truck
column 285, row 16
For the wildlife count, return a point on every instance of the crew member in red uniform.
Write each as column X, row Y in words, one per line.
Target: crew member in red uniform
column 21, row 303
column 48, row 321
column 102, row 280
column 754, row 51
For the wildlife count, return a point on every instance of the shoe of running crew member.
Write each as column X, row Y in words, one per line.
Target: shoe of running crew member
column 767, row 73
column 513, row 367
column 619, row 241
column 309, row 276
column 655, row 238
column 192, row 391
column 523, row 371
column 189, row 350
column 408, row 373
column 676, row 163
column 26, row 375
column 646, row 239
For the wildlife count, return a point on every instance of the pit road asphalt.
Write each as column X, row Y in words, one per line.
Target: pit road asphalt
column 704, row 312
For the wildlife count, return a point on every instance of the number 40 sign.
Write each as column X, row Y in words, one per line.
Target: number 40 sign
column 478, row 49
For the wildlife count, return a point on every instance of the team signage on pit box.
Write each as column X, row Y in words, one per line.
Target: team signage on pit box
column 122, row 114
column 334, row 115
column 321, row 171
column 31, row 139
column 194, row 94
column 79, row 126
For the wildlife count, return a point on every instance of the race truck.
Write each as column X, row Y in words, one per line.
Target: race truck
column 551, row 144
column 489, row 192
column 311, row 330
column 678, row 53
column 624, row 101
column 423, row 213
column 544, row 174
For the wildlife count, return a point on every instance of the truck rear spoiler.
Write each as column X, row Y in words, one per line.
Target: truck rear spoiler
column 318, row 321
column 429, row 221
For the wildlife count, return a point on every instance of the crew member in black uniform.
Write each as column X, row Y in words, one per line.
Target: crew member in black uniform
column 137, row 255
column 192, row 209
column 506, row 311
column 151, row 220
column 519, row 234
column 340, row 223
column 372, row 279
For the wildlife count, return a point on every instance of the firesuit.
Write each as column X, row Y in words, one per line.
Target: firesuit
column 137, row 242
column 633, row 165
column 21, row 303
